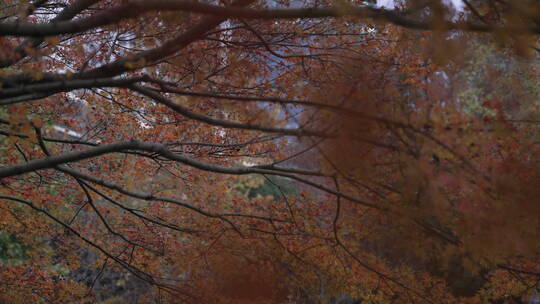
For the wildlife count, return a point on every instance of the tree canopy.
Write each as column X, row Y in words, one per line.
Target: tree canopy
column 243, row 151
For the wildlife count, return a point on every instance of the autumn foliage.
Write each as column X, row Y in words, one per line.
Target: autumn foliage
column 269, row 152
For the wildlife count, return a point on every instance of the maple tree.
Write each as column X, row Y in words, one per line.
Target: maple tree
column 269, row 152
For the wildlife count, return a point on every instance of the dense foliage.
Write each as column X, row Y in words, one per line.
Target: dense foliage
column 307, row 151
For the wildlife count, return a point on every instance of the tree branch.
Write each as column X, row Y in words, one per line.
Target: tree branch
column 53, row 161
column 218, row 122
column 134, row 9
column 67, row 14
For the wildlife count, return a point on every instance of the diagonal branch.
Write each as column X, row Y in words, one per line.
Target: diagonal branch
column 168, row 48
column 218, row 122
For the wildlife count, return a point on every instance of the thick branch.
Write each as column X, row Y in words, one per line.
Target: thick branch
column 54, row 161
column 134, row 9
column 7, row 96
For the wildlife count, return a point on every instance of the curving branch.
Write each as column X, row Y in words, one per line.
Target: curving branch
column 218, row 122
column 135, row 9
column 149, row 197
column 160, row 149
